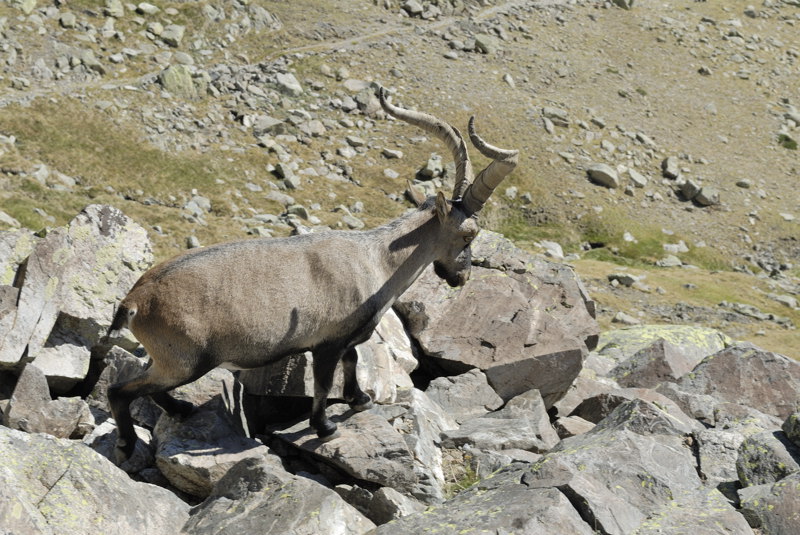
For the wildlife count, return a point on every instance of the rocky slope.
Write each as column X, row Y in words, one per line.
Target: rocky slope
column 500, row 406
column 659, row 159
column 660, row 138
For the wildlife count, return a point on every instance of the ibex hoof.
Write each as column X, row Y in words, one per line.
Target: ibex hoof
column 359, row 407
column 328, row 438
column 361, row 403
column 123, row 451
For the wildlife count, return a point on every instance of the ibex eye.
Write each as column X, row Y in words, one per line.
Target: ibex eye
column 468, row 239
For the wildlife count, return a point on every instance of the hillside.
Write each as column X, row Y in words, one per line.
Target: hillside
column 207, row 121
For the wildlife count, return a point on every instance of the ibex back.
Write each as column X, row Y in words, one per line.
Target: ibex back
column 247, row 303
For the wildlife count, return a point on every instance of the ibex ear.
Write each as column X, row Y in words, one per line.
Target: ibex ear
column 442, row 207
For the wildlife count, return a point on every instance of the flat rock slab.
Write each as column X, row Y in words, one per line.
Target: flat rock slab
column 61, row 487
column 368, row 447
column 746, row 375
column 502, row 503
column 253, row 498
column 704, row 512
column 695, row 343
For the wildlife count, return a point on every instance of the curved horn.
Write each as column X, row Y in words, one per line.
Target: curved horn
column 503, row 162
column 447, row 133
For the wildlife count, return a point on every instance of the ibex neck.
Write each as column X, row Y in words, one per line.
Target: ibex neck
column 409, row 244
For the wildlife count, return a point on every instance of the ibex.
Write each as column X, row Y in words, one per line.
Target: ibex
column 244, row 304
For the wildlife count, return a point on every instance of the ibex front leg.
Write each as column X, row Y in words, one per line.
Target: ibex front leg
column 324, row 366
column 325, row 361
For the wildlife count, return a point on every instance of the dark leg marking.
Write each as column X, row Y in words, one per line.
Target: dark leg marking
column 172, row 406
column 120, row 396
column 324, row 366
column 353, row 395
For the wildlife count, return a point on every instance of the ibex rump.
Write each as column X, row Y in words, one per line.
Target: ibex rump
column 247, row 303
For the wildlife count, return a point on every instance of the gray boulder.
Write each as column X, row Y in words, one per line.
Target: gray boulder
column 103, row 440
column 670, row 167
column 703, row 512
column 288, row 84
column 632, row 468
column 773, row 508
column 707, row 196
column 569, row 426
column 603, row 174
column 31, row 409
column 746, row 375
column 698, row 406
column 791, row 426
column 381, row 506
column 504, row 503
column 486, row 462
column 173, row 34
column 79, row 271
column 658, row 362
column 743, row 419
column 464, row 396
column 717, row 452
column 368, row 448
column 588, row 384
column 497, row 321
column 255, row 497
column 695, row 343
column 15, row 247
column 178, row 80
column 596, row 408
column 522, row 424
column 61, row 487
column 421, row 422
column 119, row 365
column 765, row 458
column 194, row 453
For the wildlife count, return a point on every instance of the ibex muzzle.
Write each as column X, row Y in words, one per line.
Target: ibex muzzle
column 248, row 303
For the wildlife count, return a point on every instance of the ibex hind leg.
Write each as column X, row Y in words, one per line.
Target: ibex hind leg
column 152, row 382
column 172, row 406
column 353, row 395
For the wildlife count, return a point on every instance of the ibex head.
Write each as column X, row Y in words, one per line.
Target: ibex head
column 458, row 216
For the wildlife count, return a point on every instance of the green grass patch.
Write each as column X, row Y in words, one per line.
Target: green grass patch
column 466, row 478
column 787, row 142
column 100, row 152
column 605, row 230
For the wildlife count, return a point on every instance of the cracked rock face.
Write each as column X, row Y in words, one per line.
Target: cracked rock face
column 71, row 280
column 51, row 485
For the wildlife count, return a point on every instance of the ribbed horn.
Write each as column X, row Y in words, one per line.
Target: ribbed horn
column 447, row 133
column 503, row 162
